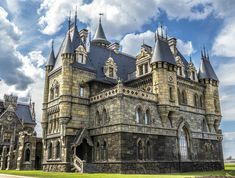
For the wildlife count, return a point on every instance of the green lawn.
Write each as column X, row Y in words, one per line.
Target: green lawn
column 229, row 171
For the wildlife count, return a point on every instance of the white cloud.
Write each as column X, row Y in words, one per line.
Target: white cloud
column 120, row 18
column 186, row 48
column 228, row 144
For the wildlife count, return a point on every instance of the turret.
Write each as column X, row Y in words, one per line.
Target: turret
column 99, row 37
column 51, row 59
column 164, row 78
column 208, row 77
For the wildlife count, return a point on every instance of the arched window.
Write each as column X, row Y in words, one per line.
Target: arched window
column 58, row 150
column 104, row 151
column 147, row 117
column 51, row 93
column 138, row 114
column 27, row 154
column 184, row 97
column 171, row 93
column 183, row 143
column 148, row 150
column 57, row 91
column 195, row 100
column 50, row 151
column 105, row 118
column 98, row 119
column 140, row 150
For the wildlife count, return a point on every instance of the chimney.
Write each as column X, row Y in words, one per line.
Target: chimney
column 114, row 46
column 172, row 43
column 83, row 34
column 10, row 100
column 146, row 48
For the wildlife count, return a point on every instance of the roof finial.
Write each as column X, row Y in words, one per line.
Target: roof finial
column 52, row 44
column 100, row 14
column 204, row 51
column 190, row 58
column 69, row 20
column 161, row 30
column 201, row 53
column 75, row 17
column 166, row 34
column 207, row 56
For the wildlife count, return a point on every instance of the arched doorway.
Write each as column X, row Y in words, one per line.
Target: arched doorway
column 84, row 151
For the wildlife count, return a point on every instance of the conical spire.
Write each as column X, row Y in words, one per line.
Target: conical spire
column 162, row 52
column 99, row 34
column 75, row 38
column 206, row 70
column 68, row 48
column 51, row 58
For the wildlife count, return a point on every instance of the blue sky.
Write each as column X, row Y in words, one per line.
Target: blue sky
column 28, row 26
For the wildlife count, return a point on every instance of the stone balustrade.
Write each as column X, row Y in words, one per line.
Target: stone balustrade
column 123, row 90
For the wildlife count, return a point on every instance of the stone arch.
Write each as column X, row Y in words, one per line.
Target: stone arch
column 184, row 140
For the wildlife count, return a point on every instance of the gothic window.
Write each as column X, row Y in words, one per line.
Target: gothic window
column 57, row 91
column 98, row 119
column 27, row 155
column 57, row 150
column 81, row 91
column 147, row 117
column 105, row 150
column 195, row 100
column 183, row 143
column 51, row 93
column 138, row 114
column 139, row 150
column 50, row 151
column 148, row 150
column 184, row 97
column 179, row 96
column 105, row 118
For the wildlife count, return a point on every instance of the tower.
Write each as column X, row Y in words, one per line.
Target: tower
column 208, row 77
column 164, row 79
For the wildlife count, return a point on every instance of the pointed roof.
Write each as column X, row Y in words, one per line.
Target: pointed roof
column 75, row 37
column 51, row 58
column 206, row 70
column 162, row 52
column 100, row 35
column 68, row 48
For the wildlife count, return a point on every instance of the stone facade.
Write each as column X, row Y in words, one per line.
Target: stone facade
column 132, row 115
column 19, row 147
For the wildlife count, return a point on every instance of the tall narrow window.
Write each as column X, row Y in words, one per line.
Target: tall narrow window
column 105, row 118
column 58, row 150
column 57, row 91
column 148, row 151
column 98, row 119
column 111, row 72
column 179, row 97
column 140, row 69
column 81, row 92
column 196, row 100
column 193, row 74
column 51, row 93
column 170, row 93
column 201, row 101
column 50, row 151
column 97, row 151
column 215, row 105
column 180, row 71
column 140, row 150
column 138, row 116
column 184, row 97
column 80, row 58
column 146, row 68
column 183, row 143
column 147, row 117
column 27, row 154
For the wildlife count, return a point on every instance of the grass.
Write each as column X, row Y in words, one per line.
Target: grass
column 229, row 171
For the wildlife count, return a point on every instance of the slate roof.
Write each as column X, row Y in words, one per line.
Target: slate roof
column 206, row 70
column 68, row 47
column 23, row 113
column 162, row 52
column 100, row 35
column 98, row 55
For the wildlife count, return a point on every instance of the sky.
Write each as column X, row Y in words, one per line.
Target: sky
column 28, row 26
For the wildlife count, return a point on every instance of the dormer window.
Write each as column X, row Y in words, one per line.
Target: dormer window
column 143, row 69
column 193, row 74
column 110, row 68
column 81, row 55
column 80, row 58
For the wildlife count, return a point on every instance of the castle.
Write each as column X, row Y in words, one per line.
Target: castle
column 107, row 111
column 19, row 146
